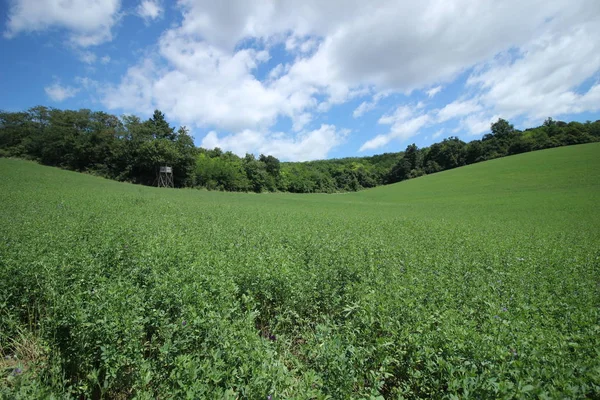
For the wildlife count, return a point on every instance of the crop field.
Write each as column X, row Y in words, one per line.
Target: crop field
column 478, row 282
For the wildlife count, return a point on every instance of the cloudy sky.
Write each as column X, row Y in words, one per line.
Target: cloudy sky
column 308, row 79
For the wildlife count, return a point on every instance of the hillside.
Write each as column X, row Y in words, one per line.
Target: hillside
column 550, row 187
column 481, row 281
column 565, row 168
column 128, row 149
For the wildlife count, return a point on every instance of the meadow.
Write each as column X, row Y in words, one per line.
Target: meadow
column 477, row 282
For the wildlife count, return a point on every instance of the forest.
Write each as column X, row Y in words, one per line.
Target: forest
column 131, row 150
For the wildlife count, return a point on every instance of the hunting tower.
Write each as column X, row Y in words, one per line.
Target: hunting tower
column 165, row 177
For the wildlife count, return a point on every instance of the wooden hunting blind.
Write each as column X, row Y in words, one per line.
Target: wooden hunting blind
column 165, row 177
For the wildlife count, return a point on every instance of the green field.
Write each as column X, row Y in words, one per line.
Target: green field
column 478, row 282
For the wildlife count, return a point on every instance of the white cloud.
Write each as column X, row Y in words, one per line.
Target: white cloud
column 303, row 45
column 59, row 93
column 308, row 46
column 135, row 91
column 405, row 123
column 300, row 121
column 149, row 9
column 276, row 72
column 477, row 124
column 204, row 70
column 590, row 101
column 312, row 145
column 458, row 108
column 376, row 143
column 404, row 129
column 88, row 22
column 363, row 108
column 87, row 83
column 433, row 91
column 360, row 45
column 88, row 57
column 203, row 85
column 105, row 60
column 367, row 106
column 543, row 80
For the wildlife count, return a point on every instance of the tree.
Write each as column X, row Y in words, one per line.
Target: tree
column 185, row 161
column 450, row 153
column 160, row 127
column 257, row 174
column 400, row 171
column 474, row 152
column 410, row 165
column 413, row 156
column 521, row 144
column 501, row 129
column 14, row 132
column 130, row 149
column 272, row 165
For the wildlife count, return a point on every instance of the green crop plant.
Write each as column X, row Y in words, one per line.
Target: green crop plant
column 479, row 282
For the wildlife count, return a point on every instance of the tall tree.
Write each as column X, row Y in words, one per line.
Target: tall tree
column 160, row 126
column 272, row 165
column 413, row 156
column 501, row 129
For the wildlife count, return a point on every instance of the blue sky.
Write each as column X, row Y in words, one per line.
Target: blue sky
column 311, row 79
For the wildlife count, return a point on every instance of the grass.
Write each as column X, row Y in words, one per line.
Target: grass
column 479, row 282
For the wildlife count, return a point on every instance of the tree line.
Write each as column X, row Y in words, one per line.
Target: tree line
column 129, row 149
column 125, row 149
column 503, row 140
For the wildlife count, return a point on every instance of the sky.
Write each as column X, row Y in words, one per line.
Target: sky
column 310, row 79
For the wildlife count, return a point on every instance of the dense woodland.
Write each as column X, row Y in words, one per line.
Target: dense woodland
column 129, row 149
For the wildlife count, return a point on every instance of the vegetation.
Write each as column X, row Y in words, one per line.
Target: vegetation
column 480, row 282
column 502, row 141
column 125, row 149
column 132, row 150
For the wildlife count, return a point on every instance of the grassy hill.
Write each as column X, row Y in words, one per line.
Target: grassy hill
column 549, row 187
column 476, row 282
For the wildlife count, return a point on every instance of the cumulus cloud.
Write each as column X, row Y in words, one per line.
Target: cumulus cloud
column 203, row 86
column 544, row 78
column 310, row 145
column 207, row 70
column 477, row 124
column 405, row 123
column 89, row 23
column 59, row 93
column 303, row 45
column 149, row 9
column 366, row 45
column 457, row 109
column 433, row 91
